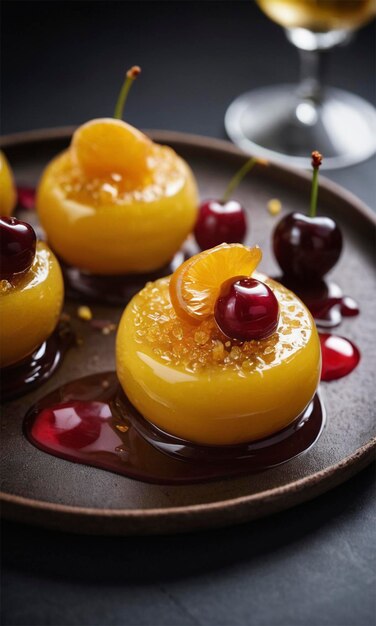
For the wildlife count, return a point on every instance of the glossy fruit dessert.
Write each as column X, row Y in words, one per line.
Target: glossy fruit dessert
column 115, row 202
column 31, row 291
column 187, row 377
column 8, row 194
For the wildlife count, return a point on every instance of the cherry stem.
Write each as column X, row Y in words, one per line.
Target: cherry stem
column 236, row 180
column 130, row 76
column 316, row 162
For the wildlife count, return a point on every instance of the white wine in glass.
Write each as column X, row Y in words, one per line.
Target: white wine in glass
column 290, row 120
column 319, row 16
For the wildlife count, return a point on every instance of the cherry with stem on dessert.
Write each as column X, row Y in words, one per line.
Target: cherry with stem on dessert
column 246, row 309
column 17, row 245
column 223, row 220
column 307, row 246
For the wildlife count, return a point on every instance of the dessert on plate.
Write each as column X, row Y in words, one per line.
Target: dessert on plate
column 8, row 194
column 115, row 202
column 218, row 354
column 31, row 294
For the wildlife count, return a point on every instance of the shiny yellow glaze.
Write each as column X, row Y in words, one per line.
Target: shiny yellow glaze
column 8, row 194
column 106, row 226
column 236, row 393
column 30, row 307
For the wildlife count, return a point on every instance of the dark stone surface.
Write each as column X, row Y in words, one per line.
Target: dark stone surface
column 312, row 565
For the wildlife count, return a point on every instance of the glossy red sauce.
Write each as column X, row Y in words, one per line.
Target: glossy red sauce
column 325, row 300
column 91, row 421
column 339, row 356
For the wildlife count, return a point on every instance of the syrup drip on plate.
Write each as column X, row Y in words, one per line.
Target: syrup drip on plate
column 339, row 356
column 91, row 421
column 117, row 289
column 23, row 377
column 328, row 306
column 326, row 301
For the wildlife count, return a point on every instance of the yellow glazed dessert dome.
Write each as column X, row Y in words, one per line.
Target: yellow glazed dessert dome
column 31, row 294
column 115, row 202
column 191, row 379
column 8, row 194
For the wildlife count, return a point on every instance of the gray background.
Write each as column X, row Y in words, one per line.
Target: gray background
column 62, row 63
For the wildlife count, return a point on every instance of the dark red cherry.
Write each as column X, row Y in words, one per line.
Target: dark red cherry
column 246, row 309
column 307, row 247
column 220, row 222
column 17, row 247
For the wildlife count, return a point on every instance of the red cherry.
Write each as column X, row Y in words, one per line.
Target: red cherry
column 17, row 247
column 224, row 221
column 307, row 247
column 220, row 222
column 246, row 309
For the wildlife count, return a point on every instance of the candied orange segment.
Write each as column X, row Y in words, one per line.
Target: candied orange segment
column 195, row 285
column 107, row 146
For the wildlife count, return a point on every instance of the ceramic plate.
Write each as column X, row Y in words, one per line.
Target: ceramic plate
column 42, row 489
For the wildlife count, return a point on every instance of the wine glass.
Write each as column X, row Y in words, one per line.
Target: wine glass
column 289, row 121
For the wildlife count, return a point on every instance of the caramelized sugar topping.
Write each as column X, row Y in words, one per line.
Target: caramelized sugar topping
column 195, row 347
column 163, row 177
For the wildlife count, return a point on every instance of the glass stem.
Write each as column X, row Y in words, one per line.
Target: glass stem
column 312, row 63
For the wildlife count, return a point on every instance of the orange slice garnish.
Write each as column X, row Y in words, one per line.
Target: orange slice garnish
column 107, row 146
column 195, row 285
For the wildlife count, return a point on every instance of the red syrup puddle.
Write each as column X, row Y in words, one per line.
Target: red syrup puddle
column 91, row 421
column 325, row 301
column 21, row 378
column 116, row 289
column 339, row 356
column 328, row 306
column 26, row 198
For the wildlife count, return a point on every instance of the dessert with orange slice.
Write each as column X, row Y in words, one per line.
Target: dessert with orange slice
column 218, row 354
column 8, row 194
column 115, row 202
